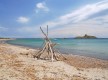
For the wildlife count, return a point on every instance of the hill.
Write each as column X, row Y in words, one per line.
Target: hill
column 86, row 37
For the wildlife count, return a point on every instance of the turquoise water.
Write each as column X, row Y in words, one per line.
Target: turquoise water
column 97, row 48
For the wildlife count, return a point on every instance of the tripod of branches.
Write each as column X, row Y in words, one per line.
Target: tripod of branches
column 47, row 48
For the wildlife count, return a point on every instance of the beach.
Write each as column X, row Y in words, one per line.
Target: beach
column 18, row 63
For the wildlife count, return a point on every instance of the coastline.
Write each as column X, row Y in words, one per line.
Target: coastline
column 79, row 67
column 91, row 48
column 4, row 40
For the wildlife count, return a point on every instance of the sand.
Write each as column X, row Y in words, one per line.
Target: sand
column 17, row 63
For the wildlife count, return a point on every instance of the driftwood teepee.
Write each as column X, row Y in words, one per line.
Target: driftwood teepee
column 47, row 52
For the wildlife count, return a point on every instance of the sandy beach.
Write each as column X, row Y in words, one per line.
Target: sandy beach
column 17, row 63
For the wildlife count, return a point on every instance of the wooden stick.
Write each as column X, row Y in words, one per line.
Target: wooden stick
column 46, row 37
column 47, row 30
column 48, row 50
column 44, row 34
column 40, row 52
column 61, row 54
column 52, row 47
column 51, row 52
column 55, row 56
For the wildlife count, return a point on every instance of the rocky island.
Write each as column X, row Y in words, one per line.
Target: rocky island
column 86, row 37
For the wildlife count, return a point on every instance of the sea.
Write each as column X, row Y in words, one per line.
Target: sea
column 95, row 48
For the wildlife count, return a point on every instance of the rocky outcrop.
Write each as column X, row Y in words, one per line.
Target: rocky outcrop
column 86, row 37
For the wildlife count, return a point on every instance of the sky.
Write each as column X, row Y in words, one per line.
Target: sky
column 65, row 18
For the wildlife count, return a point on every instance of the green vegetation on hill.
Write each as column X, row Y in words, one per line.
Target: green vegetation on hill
column 4, row 38
column 86, row 37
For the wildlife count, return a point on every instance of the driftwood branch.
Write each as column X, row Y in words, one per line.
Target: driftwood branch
column 46, row 37
column 47, row 30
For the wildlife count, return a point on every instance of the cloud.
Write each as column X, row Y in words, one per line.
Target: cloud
column 23, row 19
column 86, row 11
column 79, row 31
column 80, row 14
column 76, row 23
column 97, row 26
column 41, row 6
column 27, row 29
column 3, row 28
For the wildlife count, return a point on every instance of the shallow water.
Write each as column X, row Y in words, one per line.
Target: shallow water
column 87, row 47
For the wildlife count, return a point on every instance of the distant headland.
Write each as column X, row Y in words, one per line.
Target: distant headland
column 4, row 38
column 86, row 37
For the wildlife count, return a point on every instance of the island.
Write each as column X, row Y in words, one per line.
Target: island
column 86, row 37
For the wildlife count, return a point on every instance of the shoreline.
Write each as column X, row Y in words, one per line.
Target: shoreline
column 72, row 57
column 63, row 52
column 93, row 54
column 17, row 63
